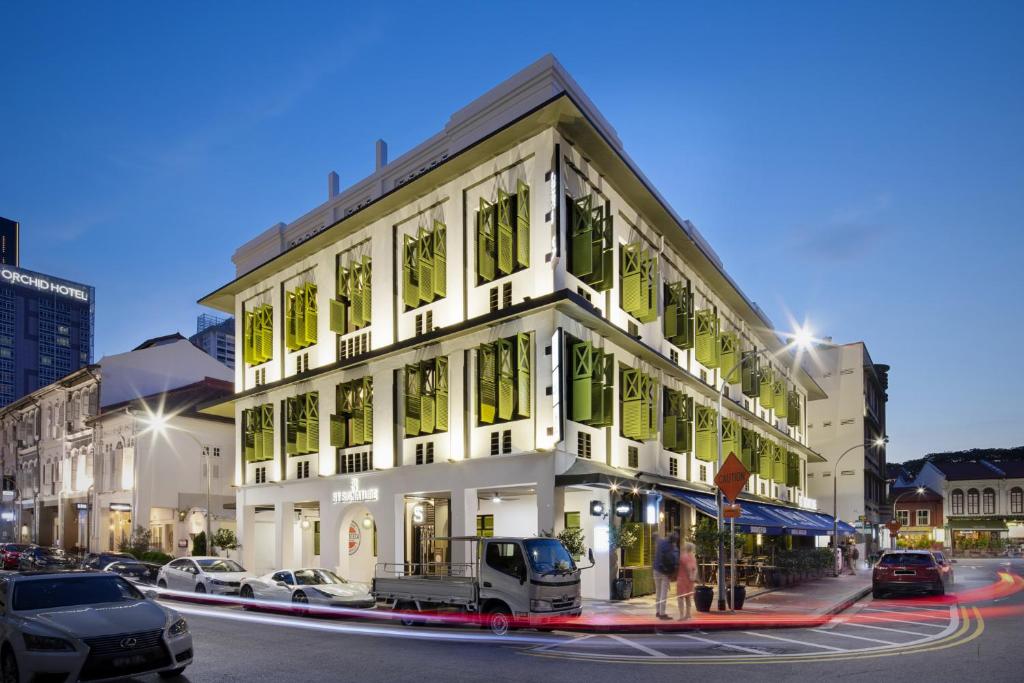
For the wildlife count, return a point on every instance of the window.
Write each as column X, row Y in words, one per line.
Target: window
column 972, row 501
column 503, row 234
column 419, row 325
column 591, row 240
column 1016, row 500
column 924, row 518
column 637, row 404
column 673, row 356
column 424, row 265
column 583, row 445
column 632, row 457
column 258, row 433
column 632, row 329
column 300, row 326
column 673, row 467
column 302, row 470
column 493, row 298
column 216, row 452
column 506, row 558
column 352, row 423
column 903, row 517
column 352, row 302
column 703, row 472
column 988, row 501
column 495, row 443
column 677, row 322
column 677, row 423
column 503, row 379
column 506, row 295
column 428, row 321
column 485, row 526
column 426, row 397
column 349, row 463
column 261, row 475
column 956, row 502
column 258, row 335
column 638, row 280
column 424, row 453
column 302, row 424
column 506, row 441
column 592, row 381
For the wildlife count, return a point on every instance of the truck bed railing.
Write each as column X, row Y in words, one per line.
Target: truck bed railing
column 425, row 569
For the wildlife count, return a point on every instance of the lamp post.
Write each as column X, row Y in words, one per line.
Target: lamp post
column 802, row 339
column 919, row 491
column 878, row 443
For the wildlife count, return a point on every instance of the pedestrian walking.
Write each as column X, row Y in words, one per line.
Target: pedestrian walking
column 686, row 579
column 666, row 564
column 852, row 556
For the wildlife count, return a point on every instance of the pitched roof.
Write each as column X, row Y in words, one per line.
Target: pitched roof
column 972, row 469
column 180, row 401
column 1014, row 469
column 929, row 495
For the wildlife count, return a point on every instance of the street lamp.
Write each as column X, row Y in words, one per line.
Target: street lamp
column 160, row 423
column 877, row 443
column 801, row 339
column 919, row 491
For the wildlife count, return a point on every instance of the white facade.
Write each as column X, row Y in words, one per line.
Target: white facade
column 536, row 130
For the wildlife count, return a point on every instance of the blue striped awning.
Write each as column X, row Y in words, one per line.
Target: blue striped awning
column 765, row 518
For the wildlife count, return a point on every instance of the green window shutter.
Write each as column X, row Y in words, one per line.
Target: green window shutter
column 357, row 422
column 339, row 425
column 441, row 393
column 779, row 465
column 505, row 246
column 729, row 356
column 249, row 434
column 506, row 379
column 425, row 272
column 339, row 314
column 289, row 321
column 600, row 415
column 412, row 400
column 523, row 384
column 257, row 433
column 672, row 316
column 730, row 438
column 313, row 422
column 707, row 433
column 410, row 272
column 248, row 334
column 633, row 417
column 300, row 317
column 367, row 388
column 368, row 289
column 487, row 373
column 603, row 278
column 581, row 228
column 342, row 283
column 607, row 390
column 522, row 224
column 766, row 396
column 793, row 417
column 440, row 243
column 267, row 431
column 355, row 295
column 427, row 398
column 648, row 407
column 310, row 317
column 291, row 426
column 676, row 426
column 582, row 381
column 648, row 310
column 485, row 241
column 792, row 469
column 750, row 377
column 301, row 442
column 780, row 398
column 748, row 450
column 765, row 452
column 707, row 338
column 266, row 332
column 630, row 295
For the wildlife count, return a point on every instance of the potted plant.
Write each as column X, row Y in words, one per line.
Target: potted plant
column 623, row 537
column 572, row 539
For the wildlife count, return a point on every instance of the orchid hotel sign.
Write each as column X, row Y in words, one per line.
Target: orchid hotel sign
column 42, row 283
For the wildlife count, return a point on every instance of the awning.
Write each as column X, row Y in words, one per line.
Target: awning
column 764, row 518
column 977, row 525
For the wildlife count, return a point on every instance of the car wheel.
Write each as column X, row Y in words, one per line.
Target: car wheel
column 173, row 673
column 161, row 584
column 300, row 598
column 499, row 621
column 876, row 594
column 940, row 589
column 246, row 593
column 200, row 588
column 407, row 619
column 9, row 664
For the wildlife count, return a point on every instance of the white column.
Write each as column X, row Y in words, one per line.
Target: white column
column 284, row 534
column 245, row 517
column 463, row 521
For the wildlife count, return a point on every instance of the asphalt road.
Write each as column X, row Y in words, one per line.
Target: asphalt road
column 976, row 637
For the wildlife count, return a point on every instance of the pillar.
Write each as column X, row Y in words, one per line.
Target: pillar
column 284, row 534
column 463, row 522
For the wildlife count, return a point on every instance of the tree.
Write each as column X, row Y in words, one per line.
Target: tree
column 225, row 539
column 138, row 543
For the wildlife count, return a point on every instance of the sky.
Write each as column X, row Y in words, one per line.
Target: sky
column 857, row 165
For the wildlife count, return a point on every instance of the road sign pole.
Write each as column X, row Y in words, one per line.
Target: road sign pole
column 732, row 563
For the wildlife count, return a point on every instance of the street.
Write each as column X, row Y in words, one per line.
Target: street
column 949, row 639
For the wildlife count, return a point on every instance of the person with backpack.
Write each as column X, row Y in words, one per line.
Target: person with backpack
column 853, row 556
column 666, row 565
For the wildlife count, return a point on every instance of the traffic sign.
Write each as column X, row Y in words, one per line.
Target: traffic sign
column 732, row 477
column 731, row 511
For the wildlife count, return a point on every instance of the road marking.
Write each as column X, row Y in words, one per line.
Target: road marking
column 901, row 608
column 872, row 640
column 798, row 642
column 560, row 643
column 904, row 621
column 728, row 645
column 894, row 630
column 642, row 648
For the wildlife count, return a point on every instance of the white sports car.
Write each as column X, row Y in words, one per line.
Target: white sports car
column 308, row 586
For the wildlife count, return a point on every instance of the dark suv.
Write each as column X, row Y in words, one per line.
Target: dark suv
column 38, row 557
column 907, row 571
column 100, row 561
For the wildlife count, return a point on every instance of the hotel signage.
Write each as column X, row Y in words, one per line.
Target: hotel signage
column 354, row 494
column 43, row 283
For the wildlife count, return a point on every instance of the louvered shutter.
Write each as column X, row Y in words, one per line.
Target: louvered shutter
column 729, row 357
column 749, row 375
column 339, row 424
column 581, row 254
column 300, row 317
column 600, row 416
column 248, row 334
column 707, row 338
column 311, row 314
column 439, row 239
column 441, row 393
column 291, row 419
column 748, row 450
column 249, row 435
column 354, row 408
column 707, row 433
column 793, row 417
column 412, row 400
column 766, row 396
column 289, row 322
column 765, row 452
column 607, row 390
column 313, row 422
column 582, row 381
column 792, row 469
column 355, row 295
column 603, row 278
column 266, row 332
column 368, row 290
column 779, row 465
column 485, row 241
column 427, row 398
column 629, row 274
column 506, row 379
column 339, row 322
column 301, row 441
column 425, row 272
column 648, row 310
column 505, row 246
column 522, row 224
column 410, row 272
column 367, row 386
column 780, row 398
column 649, row 407
column 673, row 433
column 730, row 438
column 632, row 405
column 267, row 431
column 257, row 433
column 524, row 386
column 486, row 370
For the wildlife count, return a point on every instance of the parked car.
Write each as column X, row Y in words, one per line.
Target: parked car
column 217, row 575
column 308, row 586
column 946, row 564
column 133, row 570
column 97, row 561
column 10, row 554
column 907, row 571
column 86, row 626
column 38, row 557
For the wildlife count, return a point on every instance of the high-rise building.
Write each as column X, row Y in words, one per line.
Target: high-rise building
column 9, row 234
column 46, row 330
column 216, row 336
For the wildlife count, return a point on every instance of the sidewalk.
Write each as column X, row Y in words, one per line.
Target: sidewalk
column 806, row 605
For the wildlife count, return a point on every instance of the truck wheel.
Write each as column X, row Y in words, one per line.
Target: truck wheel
column 499, row 621
column 406, row 619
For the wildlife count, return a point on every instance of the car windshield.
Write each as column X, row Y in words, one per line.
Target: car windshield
column 219, row 565
column 548, row 556
column 69, row 590
column 315, row 577
column 906, row 560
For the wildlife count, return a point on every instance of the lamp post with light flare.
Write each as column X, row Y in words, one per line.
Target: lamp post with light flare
column 877, row 443
column 919, row 491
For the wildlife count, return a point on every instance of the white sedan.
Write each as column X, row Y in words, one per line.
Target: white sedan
column 216, row 575
column 86, row 626
column 308, row 586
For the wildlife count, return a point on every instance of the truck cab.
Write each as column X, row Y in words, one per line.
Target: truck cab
column 533, row 577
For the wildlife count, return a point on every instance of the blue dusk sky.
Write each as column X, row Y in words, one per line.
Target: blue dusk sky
column 856, row 164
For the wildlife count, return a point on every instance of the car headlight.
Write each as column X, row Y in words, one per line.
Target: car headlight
column 178, row 628
column 46, row 643
column 540, row 606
